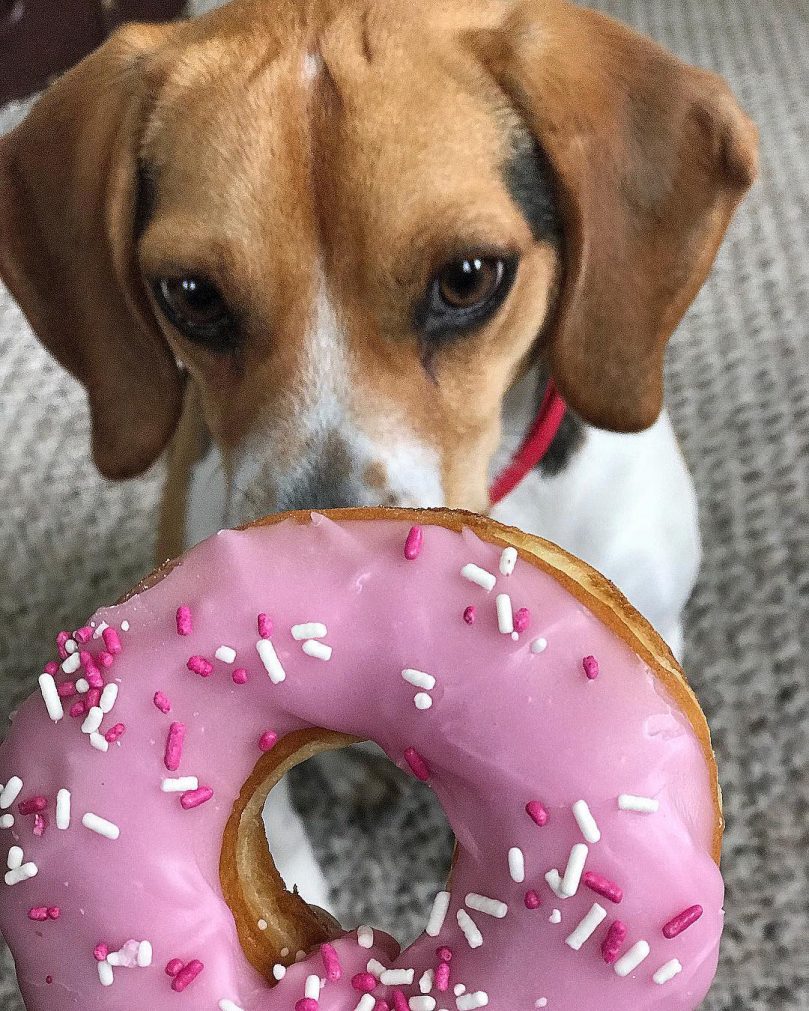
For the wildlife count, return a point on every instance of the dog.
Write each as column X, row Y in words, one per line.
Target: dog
column 335, row 253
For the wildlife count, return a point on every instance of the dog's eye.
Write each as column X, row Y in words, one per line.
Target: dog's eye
column 198, row 310
column 467, row 283
column 464, row 294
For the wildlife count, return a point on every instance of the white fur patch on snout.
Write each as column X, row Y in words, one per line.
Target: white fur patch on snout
column 312, row 66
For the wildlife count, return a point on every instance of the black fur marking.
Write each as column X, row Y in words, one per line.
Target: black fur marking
column 145, row 199
column 529, row 179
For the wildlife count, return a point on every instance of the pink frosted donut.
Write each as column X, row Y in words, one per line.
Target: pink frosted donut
column 570, row 757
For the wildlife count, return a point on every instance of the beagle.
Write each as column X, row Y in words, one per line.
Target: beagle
column 334, row 252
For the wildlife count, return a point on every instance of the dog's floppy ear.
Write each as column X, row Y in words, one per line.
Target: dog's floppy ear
column 68, row 195
column 651, row 157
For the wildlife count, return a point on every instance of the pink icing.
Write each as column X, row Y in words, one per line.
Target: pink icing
column 505, row 727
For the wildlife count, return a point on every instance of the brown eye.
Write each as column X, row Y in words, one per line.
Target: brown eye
column 469, row 283
column 463, row 296
column 197, row 309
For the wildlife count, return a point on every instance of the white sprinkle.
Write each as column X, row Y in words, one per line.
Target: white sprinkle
column 365, row 936
column 6, row 821
column 108, row 697
column 311, row 988
column 124, row 626
column 144, row 954
column 397, row 977
column 555, row 917
column 50, row 696
column 82, row 686
column 262, row 925
column 71, row 664
column 473, row 936
column 472, row 1001
column 105, row 973
column 279, row 971
column 646, row 805
column 458, row 989
column 542, row 1002
column 269, row 658
column 375, row 967
column 668, row 971
column 319, row 650
column 586, row 821
column 539, row 645
column 99, row 742
column 422, row 701
column 586, row 927
column 483, row 904
column 309, row 630
column 18, row 874
column 227, row 654
column 554, row 879
column 228, row 1005
column 63, row 809
column 10, row 792
column 515, row 636
column 366, row 1003
column 15, row 858
column 100, row 826
column 71, row 646
column 516, row 864
column 125, row 957
column 180, row 784
column 421, row 1004
column 100, row 630
column 437, row 914
column 574, row 869
column 481, row 577
column 427, row 980
column 508, row 560
column 418, row 678
column 505, row 617
column 92, row 721
column 632, row 959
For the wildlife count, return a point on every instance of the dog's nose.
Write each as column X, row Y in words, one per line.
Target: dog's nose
column 323, row 486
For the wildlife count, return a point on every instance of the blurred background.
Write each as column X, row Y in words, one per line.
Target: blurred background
column 738, row 391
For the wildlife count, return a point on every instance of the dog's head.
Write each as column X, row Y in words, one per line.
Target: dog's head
column 356, row 223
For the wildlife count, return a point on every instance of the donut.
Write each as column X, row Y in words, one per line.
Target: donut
column 559, row 735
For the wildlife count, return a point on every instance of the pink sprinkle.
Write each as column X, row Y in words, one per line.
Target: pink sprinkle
column 381, row 1005
column 49, row 980
column 365, row 982
column 83, row 634
column 469, row 615
column 105, row 659
column 413, row 544
column 40, row 824
column 32, row 805
column 87, row 660
column 442, row 977
column 114, row 733
column 444, row 953
column 112, row 640
column 603, row 886
column 61, row 639
column 682, row 921
column 86, row 702
column 101, row 951
column 239, row 676
column 186, row 975
column 54, row 912
column 331, row 961
column 418, row 766
column 264, row 623
column 184, row 626
column 94, row 679
column 173, row 966
column 77, row 709
column 522, row 619
column 66, row 689
column 199, row 665
column 613, row 942
column 38, row 913
column 267, row 740
column 193, row 798
column 174, row 746
column 536, row 812
column 400, row 1001
column 162, row 702
column 532, row 900
column 51, row 667
column 590, row 665
column 93, row 697
column 306, row 1004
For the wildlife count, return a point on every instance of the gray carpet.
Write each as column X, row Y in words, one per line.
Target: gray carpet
column 738, row 387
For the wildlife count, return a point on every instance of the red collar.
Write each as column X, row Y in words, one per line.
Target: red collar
column 536, row 444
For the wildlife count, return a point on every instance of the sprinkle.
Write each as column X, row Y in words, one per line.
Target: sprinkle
column 111, row 640
column 331, row 962
column 505, row 617
column 279, row 971
column 422, row 701
column 469, row 614
column 264, row 624
column 413, row 543
column 15, row 858
column 417, row 764
column 89, row 664
column 50, row 695
column 539, row 645
column 267, row 740
column 614, row 941
column 318, row 650
column 124, row 626
column 375, row 967
column 442, row 977
column 306, row 1004
column 536, row 812
column 61, row 640
column 586, row 821
column 105, row 659
column 399, row 1001
column 667, row 971
column 438, row 914
column 71, row 664
column 522, row 619
column 573, row 871
column 422, row 1004
column 77, row 709
column 63, row 809
column 54, row 912
column 92, row 721
column 426, row 981
column 20, row 874
column 644, row 805
column 10, row 792
column 364, row 982
column 309, row 630
column 105, row 973
column 397, row 977
column 590, row 666
column 174, row 746
column 311, row 987
column 173, row 966
column 458, row 989
column 199, row 665
column 469, row 928
column 71, row 646
column 227, row 654
column 555, row 917
column 184, row 623
column 229, row 1005
column 38, row 913
column 66, row 689
column 162, row 702
column 83, row 634
column 682, row 921
column 108, row 697
column 269, row 658
column 92, row 699
column 603, row 886
column 144, row 954
column 180, row 784
column 82, row 686
column 475, row 574
column 508, row 560
column 366, row 1003
column 40, row 824
column 632, row 959
column 586, row 927
column 239, row 676
column 554, row 880
column 100, row 826
column 32, row 805
column 483, row 904
column 443, row 953
column 365, row 936
column 193, row 798
column 187, row 975
column 262, row 925
column 51, row 667
column 115, row 733
column 100, row 630
column 7, row 821
column 532, row 900
column 516, row 864
column 418, row 678
column 472, row 1001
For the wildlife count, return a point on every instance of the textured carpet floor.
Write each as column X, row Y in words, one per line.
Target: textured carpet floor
column 738, row 387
